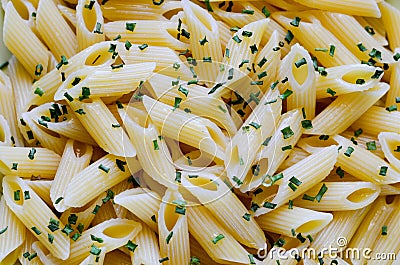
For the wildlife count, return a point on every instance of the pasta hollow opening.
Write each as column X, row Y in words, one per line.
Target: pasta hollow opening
column 352, row 76
column 98, row 57
column 89, row 18
column 310, row 226
column 2, row 134
column 79, row 149
column 21, row 9
column 299, row 73
column 14, row 187
column 361, row 195
column 215, row 136
column 118, row 231
column 170, row 217
column 203, row 183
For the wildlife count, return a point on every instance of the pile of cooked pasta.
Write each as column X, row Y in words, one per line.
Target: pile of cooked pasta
column 199, row 132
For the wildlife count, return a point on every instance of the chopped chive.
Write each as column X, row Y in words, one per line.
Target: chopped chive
column 262, row 74
column 169, row 237
column 289, row 37
column 272, row 179
column 85, row 93
column 68, row 96
column 59, row 199
column 118, row 37
column 192, row 82
column 247, row 11
column 384, row 230
column 308, row 198
column 131, row 246
column 397, row 150
column 109, row 196
column 153, row 218
column 120, row 164
column 353, row 141
column 286, row 94
column 166, row 258
column 32, row 153
column 236, row 38
column 189, row 161
column 111, row 50
column 50, row 237
column 377, row 74
column 67, row 229
column 217, row 238
column 287, row 132
column 370, row 30
column 254, row 206
column 177, row 102
column 292, row 186
column 266, row 141
column 361, row 47
column 246, row 216
column 374, row 53
column 235, row 29
column 95, row 250
column 371, row 145
column 243, row 62
column 300, row 238
column 27, row 196
column 96, row 209
column 38, row 91
column 332, row 50
column 143, row 46
column 26, row 254
column 2, row 66
column 331, row 92
column 128, row 45
column 222, row 109
column 32, row 256
column 97, row 239
column 37, row 231
column 80, row 111
column 130, row 26
column 237, row 180
column 253, row 49
column 207, row 3
column 295, row 22
column 300, row 62
column 178, row 176
column 391, row 108
column 321, row 192
column 396, row 57
column 360, row 81
column 269, row 205
column 251, row 259
column 38, row 69
column 116, row 66
column 17, row 195
column 397, row 99
column 383, row 170
column 321, row 49
column 90, row 5
column 274, row 84
column 280, row 242
column 155, row 145
column 187, row 110
column 262, row 62
column 295, row 181
column 14, row 166
column 306, row 124
column 176, row 66
column 185, row 34
column 290, row 207
column 358, row 132
column 288, row 147
column 98, row 28
column 293, row 231
column 349, row 151
column 104, row 168
column 255, row 125
column 75, row 236
column 265, row 12
column 340, row 172
column 203, row 41
column 246, row 33
column 310, row 238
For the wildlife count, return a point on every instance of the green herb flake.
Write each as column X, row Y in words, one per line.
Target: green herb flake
column 169, row 237
column 286, row 94
column 246, row 216
column 396, row 57
column 17, row 195
column 280, row 242
column 96, row 209
column 384, row 230
column 59, row 199
column 266, row 12
column 98, row 28
column 391, row 108
column 295, row 22
column 255, row 125
column 370, row 30
column 269, row 205
column 217, row 238
column 300, row 62
column 177, row 102
column 155, row 145
column 308, row 198
column 95, row 250
column 332, row 50
column 340, row 172
column 246, row 33
column 321, row 49
column 290, row 206
column 360, row 81
column 97, row 239
column 321, row 192
column 32, row 153
column 14, row 166
column 32, row 256
column 75, row 236
column 377, row 74
column 289, row 37
column 287, row 132
column 178, row 176
column 237, row 39
column 163, row 259
column 38, row 69
column 131, row 246
column 247, row 11
column 67, row 229
column 306, row 124
column 37, row 231
column 203, row 41
column 383, row 171
column 50, row 237
column 27, row 196
column 80, row 111
column 288, row 147
column 38, row 91
column 104, row 168
column 130, row 26
column 143, row 46
column 349, row 151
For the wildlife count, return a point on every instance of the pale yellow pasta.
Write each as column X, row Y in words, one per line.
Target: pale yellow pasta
column 391, row 189
column 93, row 259
column 345, row 110
column 355, row 160
column 390, row 17
column 125, row 9
column 13, row 231
column 298, row 68
column 377, row 25
column 206, row 230
column 147, row 251
column 54, row 30
column 7, row 108
column 86, row 20
column 203, row 27
column 378, row 119
column 341, row 196
column 368, row 8
column 25, row 162
column 143, row 203
column 42, row 189
column 76, row 157
column 224, row 33
column 343, row 80
column 106, row 212
column 27, row 247
column 43, row 254
column 16, row 35
column 103, row 131
column 68, row 13
column 290, row 222
column 35, row 215
column 199, row 132
column 125, row 80
column 173, row 229
column 271, row 154
column 312, row 34
column 295, row 156
column 364, row 140
column 121, row 211
column 343, row 225
column 256, row 129
column 196, row 251
column 5, row 133
column 108, row 171
column 276, row 194
column 351, row 33
column 151, row 32
column 393, row 95
column 371, row 227
column 227, row 209
column 390, row 143
column 196, row 100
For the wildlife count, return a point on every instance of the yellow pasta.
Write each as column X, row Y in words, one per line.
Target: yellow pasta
column 390, row 17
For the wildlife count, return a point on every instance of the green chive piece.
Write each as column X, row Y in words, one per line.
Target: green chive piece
column 155, row 145
column 96, row 209
column 308, row 198
column 288, row 147
column 286, row 94
column 246, row 216
column 68, row 96
column 109, row 196
column 178, row 176
column 361, row 47
column 26, row 254
column 17, row 195
column 255, row 125
column 265, row 12
column 371, row 145
column 269, row 205
column 398, row 149
column 98, row 28
column 90, row 5
column 289, row 37
column 331, row 92
column 38, row 69
column 378, row 73
column 104, row 168
column 295, row 22
column 321, row 192
column 235, row 29
column 360, row 81
column 340, row 172
column 67, row 229
column 290, row 207
column 143, row 46
column 392, row 108
column 32, row 256
column 185, row 34
column 130, row 26
column 383, row 170
column 306, row 124
column 301, row 238
column 27, row 196
column 321, row 49
column 292, row 186
column 131, row 246
column 396, row 57
column 80, row 111
column 295, row 181
column 251, row 259
column 194, row 261
column 247, row 11
column 300, row 62
column 32, row 153
column 37, row 231
column 237, row 180
column 97, row 239
column 246, row 33
column 128, row 45
column 153, row 218
column 75, row 236
column 287, row 132
column 332, row 50
column 95, row 250
column 236, row 38
column 59, row 199
column 169, row 237
column 370, row 30
column 38, row 91
column 50, row 237
column 349, row 151
column 177, row 102
column 293, row 232
column 217, row 238
column 14, row 166
column 203, row 41
column 280, row 242
column 358, row 132
column 163, row 259
column 120, row 164
column 384, row 230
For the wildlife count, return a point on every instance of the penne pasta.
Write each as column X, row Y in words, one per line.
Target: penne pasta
column 390, row 143
column 35, row 215
column 392, row 97
column 390, row 17
column 27, row 248
column 147, row 251
column 5, row 133
column 42, row 189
